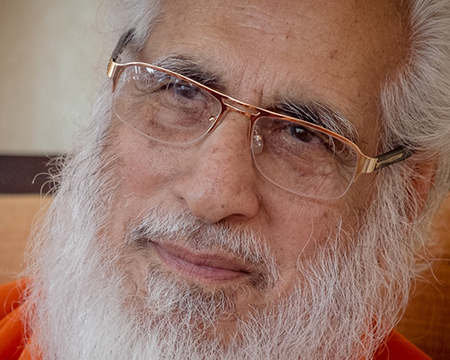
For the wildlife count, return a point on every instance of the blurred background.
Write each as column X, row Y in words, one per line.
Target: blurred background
column 51, row 64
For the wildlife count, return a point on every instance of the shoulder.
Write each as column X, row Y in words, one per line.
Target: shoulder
column 397, row 347
column 10, row 295
column 12, row 331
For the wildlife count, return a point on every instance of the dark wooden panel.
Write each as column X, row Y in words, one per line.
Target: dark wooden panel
column 24, row 174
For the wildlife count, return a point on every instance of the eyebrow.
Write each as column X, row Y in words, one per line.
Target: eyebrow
column 311, row 111
column 191, row 69
column 319, row 114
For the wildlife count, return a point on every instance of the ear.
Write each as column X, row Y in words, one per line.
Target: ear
column 422, row 181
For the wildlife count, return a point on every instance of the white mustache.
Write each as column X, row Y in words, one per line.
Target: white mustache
column 184, row 229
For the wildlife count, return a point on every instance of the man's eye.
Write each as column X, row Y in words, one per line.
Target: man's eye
column 149, row 83
column 306, row 137
column 301, row 133
column 186, row 90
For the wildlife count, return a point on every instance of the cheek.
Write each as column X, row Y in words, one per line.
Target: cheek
column 298, row 227
column 301, row 228
column 145, row 171
column 145, row 167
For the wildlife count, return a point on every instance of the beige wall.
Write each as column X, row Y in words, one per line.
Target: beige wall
column 51, row 63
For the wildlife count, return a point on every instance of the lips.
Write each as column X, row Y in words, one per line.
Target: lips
column 202, row 267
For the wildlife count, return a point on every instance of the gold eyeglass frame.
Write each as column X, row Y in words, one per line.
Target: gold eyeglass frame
column 365, row 164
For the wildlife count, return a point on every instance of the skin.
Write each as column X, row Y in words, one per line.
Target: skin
column 335, row 52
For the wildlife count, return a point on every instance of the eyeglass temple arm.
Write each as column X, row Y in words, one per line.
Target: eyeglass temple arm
column 123, row 42
column 394, row 156
column 112, row 64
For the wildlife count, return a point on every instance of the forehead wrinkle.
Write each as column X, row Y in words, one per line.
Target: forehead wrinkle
column 267, row 18
column 255, row 19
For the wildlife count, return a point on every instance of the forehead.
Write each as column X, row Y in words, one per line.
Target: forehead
column 336, row 52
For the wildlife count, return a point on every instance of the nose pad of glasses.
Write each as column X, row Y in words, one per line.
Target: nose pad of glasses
column 257, row 141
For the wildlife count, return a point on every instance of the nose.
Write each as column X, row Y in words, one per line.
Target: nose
column 220, row 181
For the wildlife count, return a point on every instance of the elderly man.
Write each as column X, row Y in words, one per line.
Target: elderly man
column 256, row 184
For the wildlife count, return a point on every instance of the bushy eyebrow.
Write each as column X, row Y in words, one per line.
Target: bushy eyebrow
column 310, row 111
column 319, row 114
column 191, row 69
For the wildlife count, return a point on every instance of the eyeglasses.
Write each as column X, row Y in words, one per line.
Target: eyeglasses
column 294, row 154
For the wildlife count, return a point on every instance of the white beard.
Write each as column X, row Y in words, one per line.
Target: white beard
column 347, row 299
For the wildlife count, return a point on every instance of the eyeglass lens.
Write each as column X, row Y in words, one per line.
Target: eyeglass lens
column 295, row 157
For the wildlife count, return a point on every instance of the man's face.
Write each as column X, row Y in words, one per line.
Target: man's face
column 337, row 53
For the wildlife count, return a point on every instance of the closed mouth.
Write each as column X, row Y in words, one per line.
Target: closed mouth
column 208, row 267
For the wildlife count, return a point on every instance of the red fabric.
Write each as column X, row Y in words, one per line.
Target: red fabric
column 12, row 333
column 13, row 343
column 398, row 347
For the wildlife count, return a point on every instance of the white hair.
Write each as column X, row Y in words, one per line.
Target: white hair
column 415, row 108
